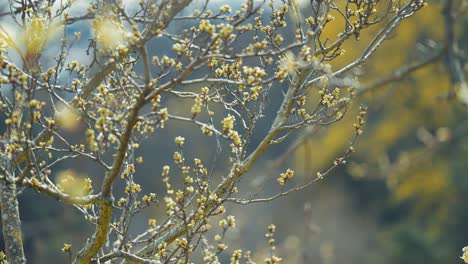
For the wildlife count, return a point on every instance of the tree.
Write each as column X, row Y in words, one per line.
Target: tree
column 246, row 97
column 408, row 169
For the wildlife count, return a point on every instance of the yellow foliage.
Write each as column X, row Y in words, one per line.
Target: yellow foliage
column 69, row 182
column 109, row 32
column 398, row 120
column 37, row 34
column 405, row 106
column 67, row 118
column 427, row 184
column 386, row 132
column 320, row 150
column 423, row 183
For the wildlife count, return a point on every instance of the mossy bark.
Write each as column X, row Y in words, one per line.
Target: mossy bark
column 11, row 223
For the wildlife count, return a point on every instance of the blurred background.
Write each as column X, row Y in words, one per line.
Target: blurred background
column 401, row 198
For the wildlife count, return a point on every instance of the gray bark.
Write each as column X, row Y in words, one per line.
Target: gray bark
column 11, row 223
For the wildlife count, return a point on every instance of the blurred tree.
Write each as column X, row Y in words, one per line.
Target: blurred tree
column 414, row 137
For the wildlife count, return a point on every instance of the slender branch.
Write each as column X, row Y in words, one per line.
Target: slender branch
column 102, row 227
column 126, row 255
column 280, row 119
column 42, row 188
column 401, row 73
column 454, row 66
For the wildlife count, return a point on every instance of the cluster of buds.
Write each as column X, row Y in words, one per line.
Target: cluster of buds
column 271, row 241
column 286, row 176
column 360, row 120
column 465, row 254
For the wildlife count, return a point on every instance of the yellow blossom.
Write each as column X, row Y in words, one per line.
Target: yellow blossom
column 109, row 32
column 67, row 118
column 228, row 123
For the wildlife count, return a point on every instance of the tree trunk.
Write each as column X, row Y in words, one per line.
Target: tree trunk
column 11, row 223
